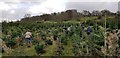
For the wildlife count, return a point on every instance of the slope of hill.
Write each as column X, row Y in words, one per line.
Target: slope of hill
column 68, row 15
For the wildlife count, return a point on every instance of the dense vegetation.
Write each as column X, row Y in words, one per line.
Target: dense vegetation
column 83, row 37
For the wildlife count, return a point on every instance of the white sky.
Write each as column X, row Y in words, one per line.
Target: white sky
column 49, row 6
column 94, row 0
column 15, row 9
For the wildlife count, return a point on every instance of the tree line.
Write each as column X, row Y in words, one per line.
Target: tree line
column 70, row 15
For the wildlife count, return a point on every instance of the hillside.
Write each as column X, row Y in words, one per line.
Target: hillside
column 68, row 33
column 69, row 15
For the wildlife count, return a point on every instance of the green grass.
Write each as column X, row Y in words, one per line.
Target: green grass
column 30, row 51
column 68, row 49
column 50, row 50
column 21, row 51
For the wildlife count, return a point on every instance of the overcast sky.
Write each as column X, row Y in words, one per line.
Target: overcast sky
column 16, row 9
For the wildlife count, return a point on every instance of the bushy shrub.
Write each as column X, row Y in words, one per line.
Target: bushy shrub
column 55, row 37
column 49, row 42
column 64, row 40
column 39, row 49
column 35, row 41
column 99, row 17
column 42, row 35
column 11, row 43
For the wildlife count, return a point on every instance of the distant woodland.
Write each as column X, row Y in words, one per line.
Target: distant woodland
column 70, row 15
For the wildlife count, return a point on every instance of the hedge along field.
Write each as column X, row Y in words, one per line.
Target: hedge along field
column 88, row 37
